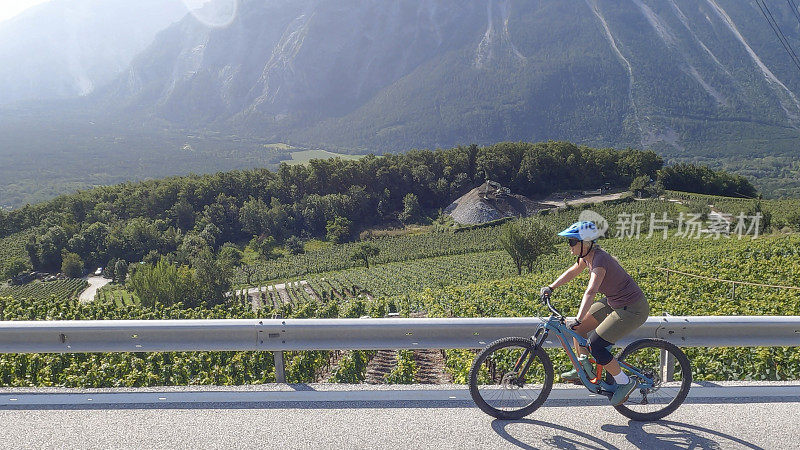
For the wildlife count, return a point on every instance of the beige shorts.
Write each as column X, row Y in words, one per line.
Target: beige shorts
column 617, row 323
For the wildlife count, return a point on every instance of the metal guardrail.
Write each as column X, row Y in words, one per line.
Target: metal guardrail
column 77, row 336
column 278, row 335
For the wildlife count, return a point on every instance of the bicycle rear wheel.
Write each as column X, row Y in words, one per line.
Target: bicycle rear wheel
column 671, row 372
column 499, row 389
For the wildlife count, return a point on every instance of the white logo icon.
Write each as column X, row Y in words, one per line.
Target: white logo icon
column 587, row 215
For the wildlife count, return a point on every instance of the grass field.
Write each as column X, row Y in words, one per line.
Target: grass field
column 304, row 156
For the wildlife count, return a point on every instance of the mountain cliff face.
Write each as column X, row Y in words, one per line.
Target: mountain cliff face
column 68, row 48
column 676, row 75
column 685, row 77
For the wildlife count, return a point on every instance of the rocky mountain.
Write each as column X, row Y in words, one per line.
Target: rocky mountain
column 681, row 76
column 67, row 48
column 701, row 81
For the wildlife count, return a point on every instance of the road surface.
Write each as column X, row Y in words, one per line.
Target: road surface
column 726, row 415
column 95, row 283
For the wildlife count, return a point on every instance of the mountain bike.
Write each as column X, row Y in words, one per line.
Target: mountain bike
column 512, row 377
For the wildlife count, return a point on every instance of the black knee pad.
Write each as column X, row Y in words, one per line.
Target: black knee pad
column 597, row 347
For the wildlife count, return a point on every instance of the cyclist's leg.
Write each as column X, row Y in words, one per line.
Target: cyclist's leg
column 597, row 313
column 615, row 326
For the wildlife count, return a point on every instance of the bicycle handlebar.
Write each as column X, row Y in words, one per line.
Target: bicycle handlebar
column 545, row 299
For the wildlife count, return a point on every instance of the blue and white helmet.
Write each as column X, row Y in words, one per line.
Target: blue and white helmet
column 584, row 231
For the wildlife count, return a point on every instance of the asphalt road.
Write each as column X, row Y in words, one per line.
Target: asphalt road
column 95, row 283
column 738, row 415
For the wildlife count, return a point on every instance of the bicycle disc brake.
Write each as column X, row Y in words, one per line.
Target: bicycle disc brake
column 656, row 385
column 510, row 381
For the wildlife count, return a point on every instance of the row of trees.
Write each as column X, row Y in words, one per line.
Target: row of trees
column 702, row 180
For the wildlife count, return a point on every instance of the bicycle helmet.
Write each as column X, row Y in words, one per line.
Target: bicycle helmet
column 582, row 231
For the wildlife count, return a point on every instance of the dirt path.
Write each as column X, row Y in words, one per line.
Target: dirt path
column 95, row 283
column 559, row 201
column 431, row 368
column 381, row 365
column 281, row 286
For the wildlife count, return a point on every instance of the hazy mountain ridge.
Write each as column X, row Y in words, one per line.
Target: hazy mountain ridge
column 394, row 75
column 64, row 49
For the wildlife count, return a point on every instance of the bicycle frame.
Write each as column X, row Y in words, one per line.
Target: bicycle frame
column 556, row 324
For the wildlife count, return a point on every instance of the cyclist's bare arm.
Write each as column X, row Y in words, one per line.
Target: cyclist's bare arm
column 595, row 280
column 569, row 274
column 586, row 324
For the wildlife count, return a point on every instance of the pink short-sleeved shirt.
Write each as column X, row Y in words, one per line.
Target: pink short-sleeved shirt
column 618, row 286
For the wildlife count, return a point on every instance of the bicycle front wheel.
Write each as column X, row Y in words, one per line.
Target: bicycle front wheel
column 671, row 372
column 497, row 382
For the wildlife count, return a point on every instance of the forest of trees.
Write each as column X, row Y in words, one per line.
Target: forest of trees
column 304, row 198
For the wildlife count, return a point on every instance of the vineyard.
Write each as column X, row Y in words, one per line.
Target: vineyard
column 43, row 290
column 392, row 249
column 738, row 260
column 400, row 278
column 117, row 295
column 383, row 289
column 429, row 245
column 782, row 210
column 436, row 274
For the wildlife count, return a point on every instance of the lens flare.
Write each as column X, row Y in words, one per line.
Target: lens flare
column 213, row 13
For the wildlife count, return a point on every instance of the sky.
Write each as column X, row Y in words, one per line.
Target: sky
column 10, row 8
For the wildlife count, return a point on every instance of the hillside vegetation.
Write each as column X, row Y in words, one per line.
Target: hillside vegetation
column 203, row 239
column 475, row 284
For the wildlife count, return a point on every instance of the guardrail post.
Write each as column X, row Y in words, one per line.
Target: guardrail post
column 667, row 366
column 280, row 371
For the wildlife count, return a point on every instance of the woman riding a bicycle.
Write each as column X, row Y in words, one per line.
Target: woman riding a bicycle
column 605, row 321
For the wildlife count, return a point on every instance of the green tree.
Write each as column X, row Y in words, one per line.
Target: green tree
column 15, row 266
column 793, row 220
column 120, row 271
column 703, row 180
column 182, row 214
column 525, row 240
column 412, row 212
column 71, row 265
column 213, row 279
column 339, row 230
column 32, row 248
column 253, row 216
column 639, row 184
column 364, row 252
column 230, row 255
column 109, row 271
column 249, row 270
column 164, row 283
column 263, row 245
column 191, row 247
column 766, row 216
column 294, row 245
column 50, row 247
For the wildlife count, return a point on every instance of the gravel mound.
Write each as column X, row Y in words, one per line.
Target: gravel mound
column 472, row 208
